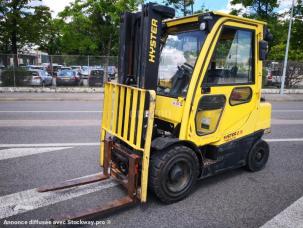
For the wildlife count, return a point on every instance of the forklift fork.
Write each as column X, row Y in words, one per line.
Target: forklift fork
column 110, row 170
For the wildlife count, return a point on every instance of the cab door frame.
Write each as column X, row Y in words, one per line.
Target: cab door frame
column 188, row 131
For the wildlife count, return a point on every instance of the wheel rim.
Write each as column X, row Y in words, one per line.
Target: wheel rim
column 259, row 155
column 179, row 176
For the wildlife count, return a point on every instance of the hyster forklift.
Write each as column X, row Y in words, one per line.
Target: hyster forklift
column 187, row 104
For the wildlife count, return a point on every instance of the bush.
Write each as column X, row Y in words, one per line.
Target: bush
column 8, row 75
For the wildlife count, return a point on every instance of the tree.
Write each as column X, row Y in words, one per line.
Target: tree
column 51, row 41
column 91, row 27
column 294, row 74
column 265, row 10
column 21, row 24
column 279, row 27
column 296, row 41
column 181, row 5
column 202, row 9
column 261, row 9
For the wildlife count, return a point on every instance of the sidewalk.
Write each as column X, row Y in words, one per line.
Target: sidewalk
column 100, row 90
column 97, row 96
column 285, row 97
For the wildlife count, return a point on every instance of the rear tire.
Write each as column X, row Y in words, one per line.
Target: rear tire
column 258, row 156
column 173, row 173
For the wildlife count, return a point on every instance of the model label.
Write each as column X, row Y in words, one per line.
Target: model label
column 153, row 40
column 233, row 135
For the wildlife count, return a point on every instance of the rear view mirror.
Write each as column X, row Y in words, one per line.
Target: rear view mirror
column 268, row 35
column 263, row 49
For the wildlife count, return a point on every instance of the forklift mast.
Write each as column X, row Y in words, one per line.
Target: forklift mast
column 140, row 36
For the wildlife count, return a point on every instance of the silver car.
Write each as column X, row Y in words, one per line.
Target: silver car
column 37, row 78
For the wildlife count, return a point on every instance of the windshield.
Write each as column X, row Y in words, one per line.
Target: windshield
column 34, row 73
column 177, row 61
column 96, row 72
column 67, row 73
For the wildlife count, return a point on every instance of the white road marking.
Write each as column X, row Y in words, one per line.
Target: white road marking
column 285, row 140
column 291, row 217
column 287, row 110
column 98, row 143
column 22, row 152
column 48, row 145
column 51, row 111
column 95, row 111
column 285, row 122
column 50, row 123
column 92, row 122
column 28, row 200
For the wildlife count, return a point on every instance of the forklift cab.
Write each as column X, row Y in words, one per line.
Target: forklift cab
column 210, row 78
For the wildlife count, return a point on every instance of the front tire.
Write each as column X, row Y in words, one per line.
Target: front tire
column 173, row 173
column 258, row 156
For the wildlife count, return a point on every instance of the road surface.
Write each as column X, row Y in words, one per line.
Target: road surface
column 44, row 142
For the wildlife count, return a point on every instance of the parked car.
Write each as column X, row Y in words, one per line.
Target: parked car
column 112, row 72
column 67, row 77
column 96, row 77
column 35, row 67
column 85, row 70
column 37, row 78
column 76, row 68
column 2, row 67
column 53, row 69
column 273, row 78
column 65, row 68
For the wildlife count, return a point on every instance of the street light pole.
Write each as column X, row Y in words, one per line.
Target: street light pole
column 287, row 48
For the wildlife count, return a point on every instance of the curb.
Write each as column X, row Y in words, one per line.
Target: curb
column 50, row 99
column 101, row 89
column 50, row 90
column 10, row 94
column 286, row 91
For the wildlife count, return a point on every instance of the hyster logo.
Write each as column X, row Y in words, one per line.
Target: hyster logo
column 153, row 40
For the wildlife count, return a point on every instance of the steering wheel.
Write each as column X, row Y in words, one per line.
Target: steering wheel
column 186, row 70
column 181, row 78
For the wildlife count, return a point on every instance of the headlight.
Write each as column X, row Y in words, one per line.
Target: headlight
column 203, row 26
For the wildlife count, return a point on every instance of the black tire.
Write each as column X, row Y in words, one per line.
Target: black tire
column 257, row 156
column 173, row 173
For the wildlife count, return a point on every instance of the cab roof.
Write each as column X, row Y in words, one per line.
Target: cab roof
column 195, row 18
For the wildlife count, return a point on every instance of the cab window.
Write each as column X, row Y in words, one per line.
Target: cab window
column 240, row 95
column 232, row 60
column 177, row 60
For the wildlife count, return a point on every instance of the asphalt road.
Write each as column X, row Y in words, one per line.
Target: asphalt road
column 234, row 199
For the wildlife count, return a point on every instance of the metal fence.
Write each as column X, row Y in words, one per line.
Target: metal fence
column 272, row 74
column 25, row 70
column 14, row 70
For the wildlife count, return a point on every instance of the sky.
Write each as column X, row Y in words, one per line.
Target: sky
column 222, row 5
column 56, row 5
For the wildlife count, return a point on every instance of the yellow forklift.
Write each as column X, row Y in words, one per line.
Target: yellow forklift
column 187, row 105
